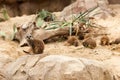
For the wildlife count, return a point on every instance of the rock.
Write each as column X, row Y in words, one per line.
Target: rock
column 4, row 60
column 83, row 5
column 12, row 10
column 21, row 7
column 28, row 7
column 33, row 7
column 3, row 76
column 10, row 1
column 56, row 67
column 74, row 8
column 114, row 1
column 114, row 66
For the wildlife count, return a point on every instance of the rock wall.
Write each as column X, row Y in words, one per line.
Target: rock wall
column 56, row 67
column 114, row 1
column 84, row 5
column 20, row 7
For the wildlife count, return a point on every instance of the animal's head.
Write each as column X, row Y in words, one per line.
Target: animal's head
column 29, row 37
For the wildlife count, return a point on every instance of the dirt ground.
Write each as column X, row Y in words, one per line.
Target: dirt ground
column 107, row 54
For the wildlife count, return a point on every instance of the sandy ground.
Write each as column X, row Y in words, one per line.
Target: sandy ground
column 107, row 54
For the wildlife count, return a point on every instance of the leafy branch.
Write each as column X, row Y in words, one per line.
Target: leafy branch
column 40, row 19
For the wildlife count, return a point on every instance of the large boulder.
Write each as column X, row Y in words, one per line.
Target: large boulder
column 20, row 7
column 84, row 5
column 34, row 6
column 114, row 65
column 56, row 67
column 4, row 61
column 28, row 7
column 114, row 1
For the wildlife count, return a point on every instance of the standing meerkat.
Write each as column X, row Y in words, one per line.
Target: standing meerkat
column 36, row 46
column 104, row 40
column 89, row 43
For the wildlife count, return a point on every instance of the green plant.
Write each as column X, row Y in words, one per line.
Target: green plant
column 43, row 16
column 44, row 13
column 4, row 13
column 14, row 32
column 81, row 16
column 39, row 22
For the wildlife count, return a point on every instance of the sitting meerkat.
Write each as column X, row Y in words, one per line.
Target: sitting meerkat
column 72, row 40
column 89, row 43
column 81, row 36
column 104, row 40
column 36, row 46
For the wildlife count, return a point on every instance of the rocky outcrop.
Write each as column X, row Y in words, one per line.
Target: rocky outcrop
column 56, row 67
column 114, row 1
column 4, row 61
column 84, row 5
column 21, row 7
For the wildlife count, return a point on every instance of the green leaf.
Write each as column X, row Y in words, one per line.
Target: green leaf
column 5, row 14
column 14, row 32
column 14, row 28
column 43, row 14
column 82, row 15
column 12, row 36
column 65, row 24
column 39, row 22
column 53, row 27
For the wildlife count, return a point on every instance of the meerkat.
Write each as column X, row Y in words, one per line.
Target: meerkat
column 117, row 41
column 89, row 43
column 104, row 40
column 72, row 40
column 36, row 46
column 81, row 36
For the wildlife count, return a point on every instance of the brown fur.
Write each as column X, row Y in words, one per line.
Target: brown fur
column 81, row 36
column 36, row 46
column 72, row 40
column 104, row 40
column 90, row 43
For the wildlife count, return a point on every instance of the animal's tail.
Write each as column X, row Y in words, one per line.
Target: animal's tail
column 26, row 52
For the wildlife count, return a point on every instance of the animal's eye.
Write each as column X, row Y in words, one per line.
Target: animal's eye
column 30, row 36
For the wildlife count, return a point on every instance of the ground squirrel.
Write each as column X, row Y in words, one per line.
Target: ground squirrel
column 104, row 40
column 89, row 43
column 36, row 46
column 72, row 40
